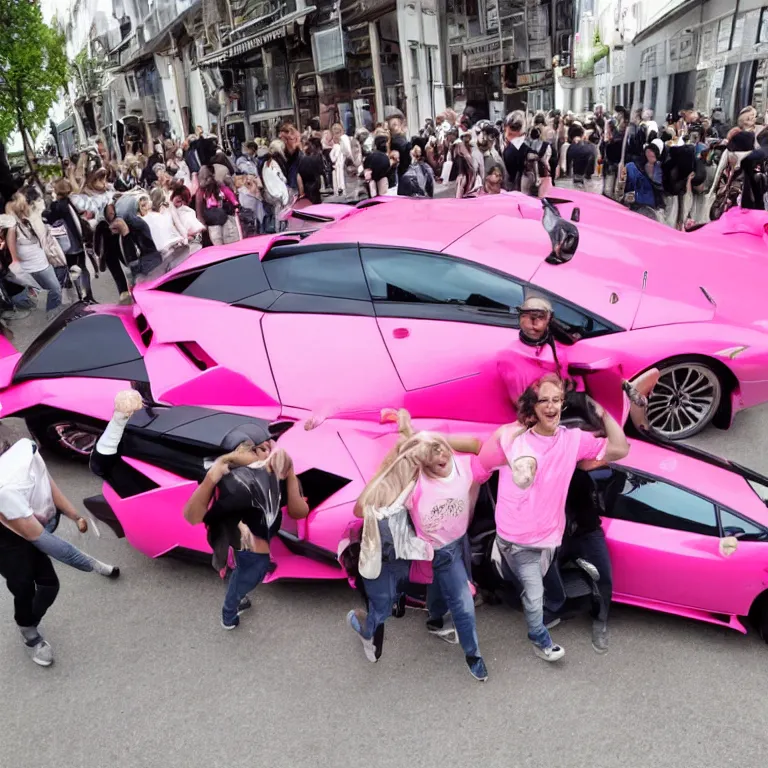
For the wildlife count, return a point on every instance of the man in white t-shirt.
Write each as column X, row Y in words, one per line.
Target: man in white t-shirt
column 29, row 502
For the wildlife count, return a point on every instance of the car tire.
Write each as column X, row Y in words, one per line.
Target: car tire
column 686, row 399
column 64, row 434
column 758, row 616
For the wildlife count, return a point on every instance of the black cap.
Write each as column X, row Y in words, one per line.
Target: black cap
column 249, row 431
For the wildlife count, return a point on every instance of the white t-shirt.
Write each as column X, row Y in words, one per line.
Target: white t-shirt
column 25, row 487
column 164, row 233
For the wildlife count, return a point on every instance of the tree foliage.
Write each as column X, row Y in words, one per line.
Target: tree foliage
column 33, row 67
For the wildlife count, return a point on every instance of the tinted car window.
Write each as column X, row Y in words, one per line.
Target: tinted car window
column 744, row 529
column 576, row 323
column 653, row 502
column 410, row 277
column 228, row 281
column 335, row 272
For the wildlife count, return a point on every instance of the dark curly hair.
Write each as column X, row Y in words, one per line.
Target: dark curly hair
column 526, row 403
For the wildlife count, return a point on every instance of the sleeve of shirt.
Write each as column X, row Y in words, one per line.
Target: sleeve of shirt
column 591, row 446
column 13, row 506
column 480, row 474
column 491, row 454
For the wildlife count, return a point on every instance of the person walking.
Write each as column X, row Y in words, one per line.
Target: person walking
column 26, row 241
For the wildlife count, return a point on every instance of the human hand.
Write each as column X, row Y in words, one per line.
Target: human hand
column 599, row 410
column 280, row 463
column 246, row 537
column 219, row 469
column 128, row 401
column 82, row 524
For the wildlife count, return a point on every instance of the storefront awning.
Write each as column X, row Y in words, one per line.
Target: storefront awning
column 274, row 31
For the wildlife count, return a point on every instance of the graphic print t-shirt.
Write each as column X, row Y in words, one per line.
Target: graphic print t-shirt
column 440, row 506
column 535, row 516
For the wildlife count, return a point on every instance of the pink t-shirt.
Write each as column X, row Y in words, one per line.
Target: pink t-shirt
column 520, row 365
column 440, row 506
column 535, row 516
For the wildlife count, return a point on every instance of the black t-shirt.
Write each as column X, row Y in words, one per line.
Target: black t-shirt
column 378, row 162
column 581, row 158
column 403, row 146
column 613, row 149
column 292, row 167
column 250, row 496
column 311, row 169
column 582, row 506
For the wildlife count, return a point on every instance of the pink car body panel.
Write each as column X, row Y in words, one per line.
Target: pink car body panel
column 656, row 568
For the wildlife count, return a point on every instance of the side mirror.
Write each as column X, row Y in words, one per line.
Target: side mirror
column 576, row 214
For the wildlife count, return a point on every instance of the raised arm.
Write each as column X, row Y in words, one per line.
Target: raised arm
column 491, row 454
column 464, row 443
column 197, row 506
column 617, row 447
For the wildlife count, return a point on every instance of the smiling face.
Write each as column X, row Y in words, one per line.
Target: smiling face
column 549, row 407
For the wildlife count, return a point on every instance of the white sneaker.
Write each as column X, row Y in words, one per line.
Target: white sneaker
column 368, row 646
column 553, row 653
column 41, row 651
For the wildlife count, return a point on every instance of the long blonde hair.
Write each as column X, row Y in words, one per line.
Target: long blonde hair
column 411, row 455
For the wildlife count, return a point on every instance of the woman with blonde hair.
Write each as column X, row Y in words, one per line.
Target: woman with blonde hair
column 421, row 483
column 26, row 244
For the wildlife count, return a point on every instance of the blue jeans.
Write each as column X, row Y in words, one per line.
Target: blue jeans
column 593, row 548
column 251, row 569
column 527, row 563
column 449, row 591
column 47, row 280
column 62, row 550
column 382, row 592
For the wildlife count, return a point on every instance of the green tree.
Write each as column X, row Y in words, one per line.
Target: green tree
column 33, row 68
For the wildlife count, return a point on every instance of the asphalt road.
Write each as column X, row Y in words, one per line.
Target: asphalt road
column 145, row 677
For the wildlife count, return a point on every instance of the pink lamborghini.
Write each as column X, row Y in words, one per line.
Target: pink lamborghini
column 687, row 532
column 409, row 303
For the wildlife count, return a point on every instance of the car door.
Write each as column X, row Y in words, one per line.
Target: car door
column 444, row 322
column 664, row 543
column 323, row 343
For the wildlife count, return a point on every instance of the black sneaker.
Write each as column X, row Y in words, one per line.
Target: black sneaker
column 245, row 604
column 477, row 668
column 600, row 636
column 443, row 629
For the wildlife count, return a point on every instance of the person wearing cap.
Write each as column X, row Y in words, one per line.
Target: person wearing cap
column 239, row 501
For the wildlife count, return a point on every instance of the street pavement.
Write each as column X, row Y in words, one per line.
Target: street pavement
column 146, row 678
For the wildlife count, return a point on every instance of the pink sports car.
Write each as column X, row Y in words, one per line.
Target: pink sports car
column 410, row 303
column 687, row 532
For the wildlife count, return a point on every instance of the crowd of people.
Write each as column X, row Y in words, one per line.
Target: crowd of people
column 147, row 213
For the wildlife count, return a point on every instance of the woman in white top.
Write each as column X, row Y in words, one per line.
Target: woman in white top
column 25, row 244
column 169, row 241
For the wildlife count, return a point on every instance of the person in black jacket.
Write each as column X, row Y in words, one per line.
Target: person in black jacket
column 755, row 169
column 114, row 249
column 516, row 151
column 62, row 209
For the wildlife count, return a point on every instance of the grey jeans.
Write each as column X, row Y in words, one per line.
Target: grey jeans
column 530, row 564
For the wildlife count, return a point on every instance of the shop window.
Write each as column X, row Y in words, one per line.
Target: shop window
column 762, row 32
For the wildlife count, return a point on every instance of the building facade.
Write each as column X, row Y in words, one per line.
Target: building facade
column 664, row 55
